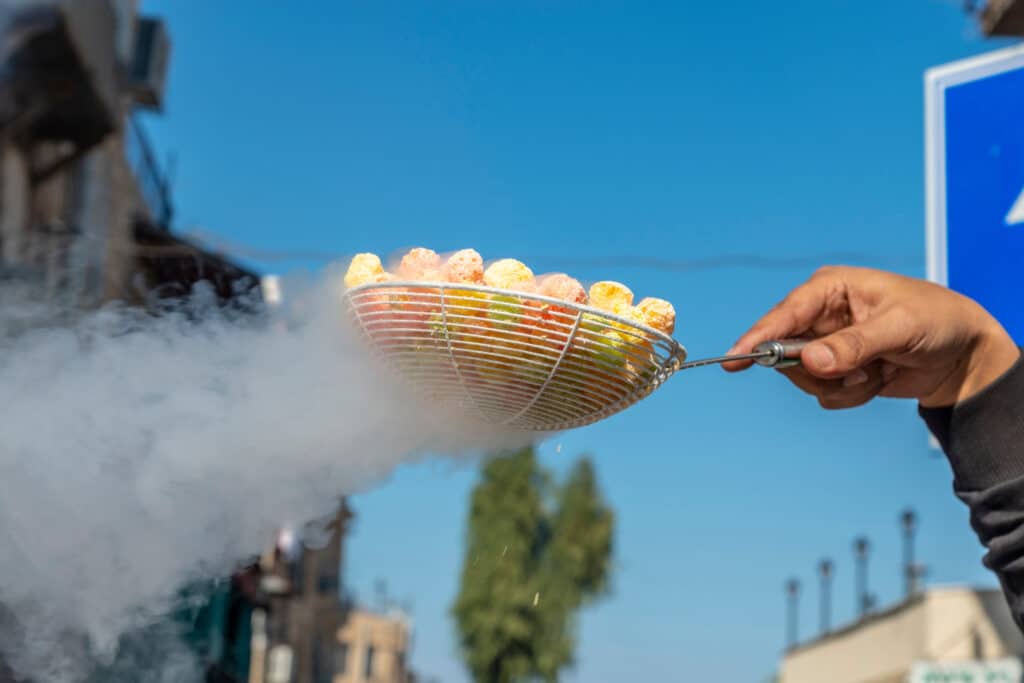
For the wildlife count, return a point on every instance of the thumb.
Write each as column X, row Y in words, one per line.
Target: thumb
column 845, row 350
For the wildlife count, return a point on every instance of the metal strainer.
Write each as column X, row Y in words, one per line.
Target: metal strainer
column 522, row 361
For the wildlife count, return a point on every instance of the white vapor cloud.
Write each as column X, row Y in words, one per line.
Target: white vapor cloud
column 139, row 452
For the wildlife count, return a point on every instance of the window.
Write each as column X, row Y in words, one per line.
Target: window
column 279, row 664
column 328, row 574
column 368, row 670
column 328, row 584
column 340, row 658
column 298, row 572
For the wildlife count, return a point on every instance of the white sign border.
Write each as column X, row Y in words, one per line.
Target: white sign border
column 936, row 81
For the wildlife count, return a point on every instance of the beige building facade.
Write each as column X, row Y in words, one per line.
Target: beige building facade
column 373, row 648
column 945, row 629
column 310, row 631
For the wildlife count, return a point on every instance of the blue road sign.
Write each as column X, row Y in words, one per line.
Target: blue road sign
column 974, row 165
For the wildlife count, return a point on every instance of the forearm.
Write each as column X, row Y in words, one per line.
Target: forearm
column 983, row 437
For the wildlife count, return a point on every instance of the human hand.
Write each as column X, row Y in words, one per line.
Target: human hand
column 881, row 334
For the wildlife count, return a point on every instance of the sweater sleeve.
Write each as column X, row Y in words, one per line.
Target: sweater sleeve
column 983, row 438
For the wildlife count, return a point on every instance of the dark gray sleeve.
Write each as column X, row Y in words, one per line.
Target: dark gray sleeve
column 983, row 438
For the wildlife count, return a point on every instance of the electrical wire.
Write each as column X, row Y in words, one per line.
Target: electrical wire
column 735, row 260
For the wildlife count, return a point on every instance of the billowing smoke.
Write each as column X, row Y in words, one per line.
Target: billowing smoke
column 140, row 452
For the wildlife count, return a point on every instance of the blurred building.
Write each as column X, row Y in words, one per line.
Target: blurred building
column 85, row 209
column 295, row 636
column 86, row 218
column 276, row 619
column 941, row 634
column 306, row 629
column 374, row 647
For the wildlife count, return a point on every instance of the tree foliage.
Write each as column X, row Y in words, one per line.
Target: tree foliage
column 536, row 553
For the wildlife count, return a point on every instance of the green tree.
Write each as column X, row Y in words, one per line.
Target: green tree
column 535, row 554
column 575, row 567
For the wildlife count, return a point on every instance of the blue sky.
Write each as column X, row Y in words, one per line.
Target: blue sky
column 582, row 137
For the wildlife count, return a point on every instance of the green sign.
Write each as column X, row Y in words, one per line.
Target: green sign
column 994, row 671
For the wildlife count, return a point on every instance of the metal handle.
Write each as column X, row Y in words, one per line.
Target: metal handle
column 780, row 353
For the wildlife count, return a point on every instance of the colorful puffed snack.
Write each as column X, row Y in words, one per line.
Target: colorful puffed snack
column 509, row 273
column 609, row 344
column 363, row 269
column 561, row 286
column 604, row 340
column 611, row 297
column 557, row 321
column 505, row 320
column 506, row 310
column 420, row 264
column 657, row 313
column 536, row 332
column 467, row 308
column 464, row 266
column 515, row 350
column 418, row 306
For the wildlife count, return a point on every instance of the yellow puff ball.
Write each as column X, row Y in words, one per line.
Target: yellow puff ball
column 603, row 344
column 363, row 269
column 508, row 273
column 611, row 297
column 658, row 313
column 465, row 266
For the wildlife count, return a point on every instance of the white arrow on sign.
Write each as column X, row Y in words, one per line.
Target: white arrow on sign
column 1016, row 214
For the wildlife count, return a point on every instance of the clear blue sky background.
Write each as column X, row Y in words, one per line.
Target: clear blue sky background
column 565, row 133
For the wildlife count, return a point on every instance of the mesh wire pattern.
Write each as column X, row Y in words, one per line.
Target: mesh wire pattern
column 510, row 359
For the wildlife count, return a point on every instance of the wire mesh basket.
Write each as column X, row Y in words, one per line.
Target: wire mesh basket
column 509, row 359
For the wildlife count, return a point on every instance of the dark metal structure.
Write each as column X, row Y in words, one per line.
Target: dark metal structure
column 908, row 527
column 792, row 612
column 861, row 551
column 826, row 571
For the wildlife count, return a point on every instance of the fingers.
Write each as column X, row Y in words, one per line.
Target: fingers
column 851, row 391
column 808, row 383
column 793, row 316
column 842, row 352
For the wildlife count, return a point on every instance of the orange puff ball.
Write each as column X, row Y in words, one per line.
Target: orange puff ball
column 465, row 266
column 420, row 264
column 561, row 286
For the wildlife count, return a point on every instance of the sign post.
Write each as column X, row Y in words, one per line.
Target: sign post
column 974, row 166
